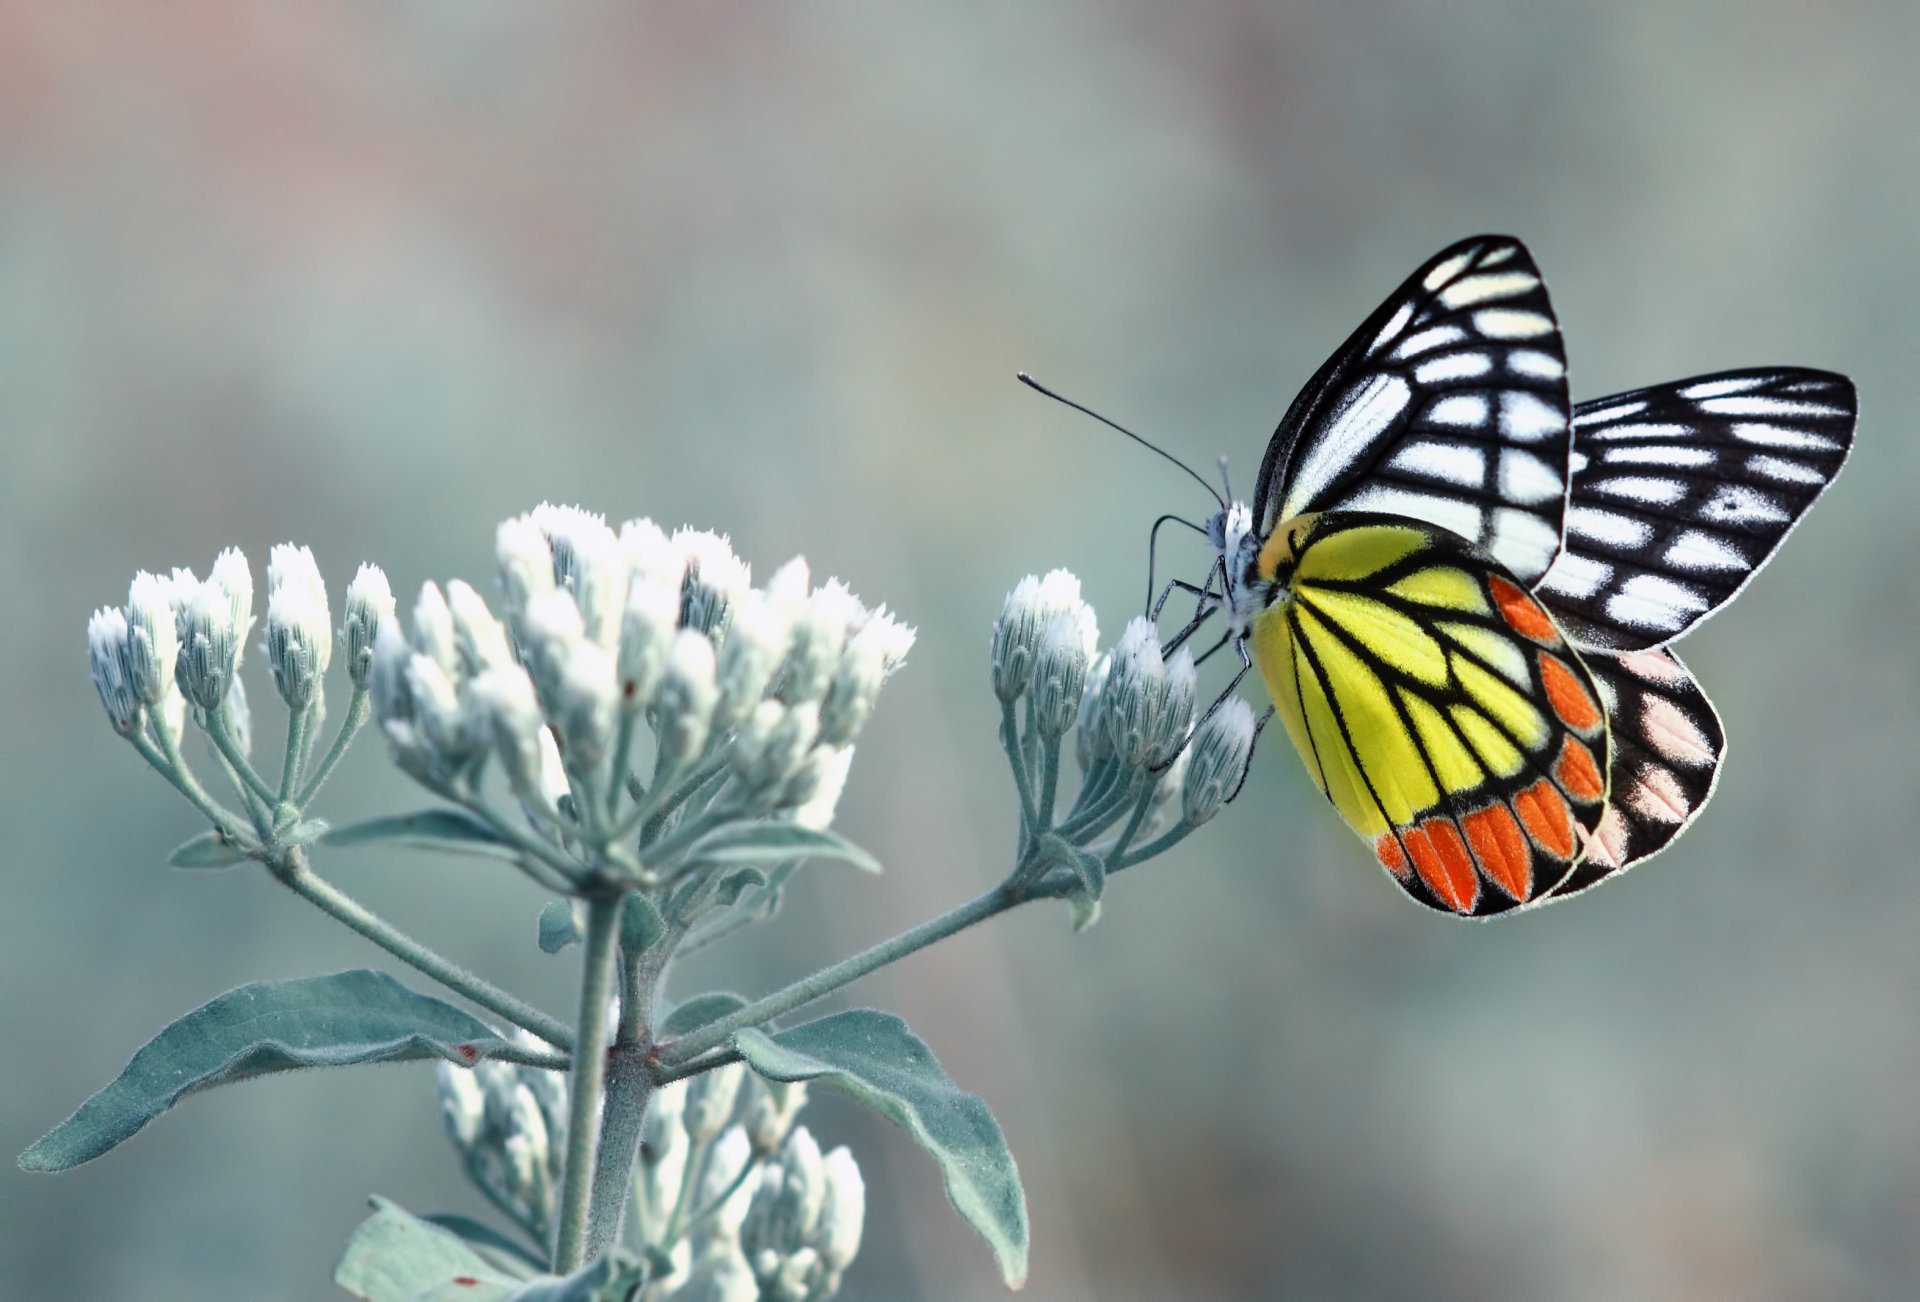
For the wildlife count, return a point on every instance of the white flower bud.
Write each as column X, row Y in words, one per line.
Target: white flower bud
column 232, row 577
column 589, row 561
column 683, row 702
column 462, row 1104
column 773, row 746
column 715, row 579
column 1029, row 610
column 169, row 717
column 871, row 656
column 646, row 635
column 209, row 645
column 299, row 629
column 153, row 636
column 240, row 717
column 525, row 558
column 663, row 1149
column 433, row 630
column 504, row 696
column 794, row 1281
column 550, row 628
column 813, row 793
column 819, row 638
column 803, row 1188
column 436, row 709
column 586, row 705
column 478, row 638
column 1177, row 697
column 728, row 1158
column 1059, row 677
column 770, row 1112
column 387, row 673
column 844, row 1212
column 1131, row 699
column 1220, row 748
column 1090, row 743
column 720, row 1276
column 553, row 772
column 370, row 607
column 650, row 555
column 107, row 659
column 710, row 1099
column 788, row 588
column 755, row 646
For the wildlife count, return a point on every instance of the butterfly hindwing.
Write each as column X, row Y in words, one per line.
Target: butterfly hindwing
column 1667, row 744
column 1680, row 492
column 1437, row 706
column 1449, row 405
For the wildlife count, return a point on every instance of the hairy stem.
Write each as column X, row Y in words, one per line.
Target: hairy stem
column 293, row 869
column 589, row 1076
column 358, row 708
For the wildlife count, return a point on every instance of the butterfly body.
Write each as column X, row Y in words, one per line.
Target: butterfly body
column 1457, row 586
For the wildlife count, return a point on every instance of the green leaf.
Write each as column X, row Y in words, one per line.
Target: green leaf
column 396, row 1257
column 207, row 850
column 769, row 842
column 698, row 1011
column 602, row 1281
column 640, row 923
column 877, row 1059
column 451, row 830
column 504, row 1253
column 559, row 926
column 268, row 1026
column 736, row 883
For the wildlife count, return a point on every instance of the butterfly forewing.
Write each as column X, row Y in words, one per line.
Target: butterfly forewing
column 1667, row 744
column 1449, row 405
column 1681, row 491
column 1437, row 706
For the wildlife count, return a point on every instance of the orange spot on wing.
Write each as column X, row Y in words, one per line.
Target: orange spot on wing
column 1568, row 696
column 1544, row 813
column 1387, row 849
column 1522, row 613
column 1501, row 849
column 1441, row 859
column 1577, row 773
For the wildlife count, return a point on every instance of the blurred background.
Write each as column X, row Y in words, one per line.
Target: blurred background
column 373, row 277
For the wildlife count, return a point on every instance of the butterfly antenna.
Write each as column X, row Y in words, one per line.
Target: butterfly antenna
column 1034, row 384
column 1224, row 481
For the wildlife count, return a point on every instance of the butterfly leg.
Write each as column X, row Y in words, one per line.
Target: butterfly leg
column 1258, row 728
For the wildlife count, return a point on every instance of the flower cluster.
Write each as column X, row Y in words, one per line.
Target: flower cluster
column 1148, row 766
column 753, row 695
column 737, row 1203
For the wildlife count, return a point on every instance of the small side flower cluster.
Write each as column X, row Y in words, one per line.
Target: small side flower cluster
column 737, row 1203
column 1147, row 766
column 754, row 696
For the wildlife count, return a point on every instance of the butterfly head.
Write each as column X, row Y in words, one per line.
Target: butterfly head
column 1237, row 549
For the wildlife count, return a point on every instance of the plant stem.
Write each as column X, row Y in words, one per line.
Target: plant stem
column 847, row 970
column 167, row 762
column 222, row 734
column 1010, row 738
column 358, row 707
column 297, row 727
column 293, row 869
column 589, row 1075
column 631, row 1084
column 1049, row 782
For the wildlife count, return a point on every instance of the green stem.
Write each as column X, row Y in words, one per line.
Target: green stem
column 1010, row 739
column 1159, row 845
column 166, row 761
column 510, row 828
column 666, row 796
column 1049, row 781
column 358, row 707
column 589, row 1076
column 698, row 1067
column 292, row 869
column 297, row 727
column 747, row 1168
column 622, row 759
column 222, row 734
column 631, row 1084
column 846, row 971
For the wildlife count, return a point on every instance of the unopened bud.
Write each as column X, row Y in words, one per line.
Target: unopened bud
column 299, row 629
column 1059, row 677
column 586, row 703
column 436, row 709
column 715, row 579
column 819, row 638
column 770, row 1112
column 504, row 695
column 462, row 1104
column 240, row 717
column 1090, row 742
column 776, row 741
column 1132, row 697
column 209, row 646
column 479, row 638
column 112, row 676
column 232, row 577
column 843, row 1213
column 1177, row 697
column 525, row 558
column 433, row 630
column 646, row 635
column 650, row 555
column 1221, row 748
column 370, row 607
column 550, row 629
column 789, row 586
column 387, row 673
column 756, row 644
column 153, row 636
column 710, row 1101
column 589, row 562
column 813, row 793
column 683, row 703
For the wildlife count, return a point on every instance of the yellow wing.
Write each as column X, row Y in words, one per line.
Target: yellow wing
column 1436, row 704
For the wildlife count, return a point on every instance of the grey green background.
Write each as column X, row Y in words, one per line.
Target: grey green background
column 373, row 277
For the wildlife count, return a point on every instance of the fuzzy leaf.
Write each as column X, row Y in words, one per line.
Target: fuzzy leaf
column 769, row 842
column 396, row 1257
column 435, row 829
column 207, row 850
column 506, row 1254
column 698, row 1011
column 877, row 1059
column 268, row 1026
column 640, row 923
column 559, row 927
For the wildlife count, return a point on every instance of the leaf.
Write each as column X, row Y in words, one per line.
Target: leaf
column 601, row 1281
column 396, row 1257
column 877, row 1059
column 698, row 1011
column 268, row 1026
column 640, row 923
column 735, row 883
column 770, row 842
column 451, row 830
column 559, row 926
column 207, row 850
column 504, row 1253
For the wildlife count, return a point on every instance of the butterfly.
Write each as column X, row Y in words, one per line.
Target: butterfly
column 1459, row 588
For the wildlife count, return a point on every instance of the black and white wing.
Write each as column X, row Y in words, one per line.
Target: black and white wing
column 1667, row 744
column 1682, row 491
column 1449, row 405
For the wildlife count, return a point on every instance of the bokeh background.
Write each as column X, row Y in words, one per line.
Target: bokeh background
column 375, row 276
